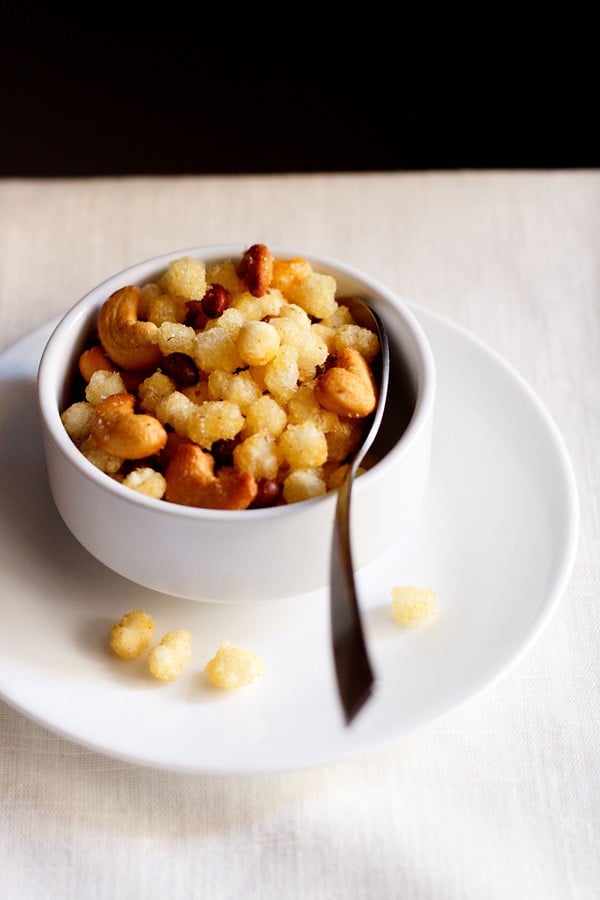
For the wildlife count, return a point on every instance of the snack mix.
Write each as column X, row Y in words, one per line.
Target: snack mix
column 242, row 384
column 229, row 669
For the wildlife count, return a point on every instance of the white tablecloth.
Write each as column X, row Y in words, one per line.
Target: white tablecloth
column 500, row 798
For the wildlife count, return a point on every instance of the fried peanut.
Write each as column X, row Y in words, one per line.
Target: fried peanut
column 256, row 269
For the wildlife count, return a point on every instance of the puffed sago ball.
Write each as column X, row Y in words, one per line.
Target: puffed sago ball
column 259, row 455
column 302, row 484
column 312, row 349
column 102, row 459
column 175, row 409
column 361, row 339
column 154, row 388
column 303, row 446
column 147, row 481
column 168, row 659
column 255, row 308
column 343, row 439
column 291, row 330
column 225, row 274
column 265, row 416
column 297, row 314
column 304, row 406
column 314, row 353
column 215, row 420
column 230, row 321
column 174, row 337
column 281, row 375
column 316, row 295
column 239, row 388
column 185, row 277
column 258, row 343
column 78, row 419
column 413, row 606
column 327, row 335
column 166, row 308
column 103, row 384
column 215, row 349
column 233, row 667
column 197, row 393
column 132, row 634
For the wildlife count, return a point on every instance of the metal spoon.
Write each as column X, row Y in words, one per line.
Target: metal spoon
column 354, row 674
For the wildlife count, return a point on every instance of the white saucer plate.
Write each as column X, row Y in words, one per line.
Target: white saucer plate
column 495, row 537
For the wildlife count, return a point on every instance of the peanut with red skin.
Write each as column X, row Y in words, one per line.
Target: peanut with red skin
column 256, row 269
column 181, row 368
column 215, row 301
column 196, row 317
column 268, row 493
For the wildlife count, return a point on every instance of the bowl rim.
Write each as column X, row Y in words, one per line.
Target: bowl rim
column 47, row 384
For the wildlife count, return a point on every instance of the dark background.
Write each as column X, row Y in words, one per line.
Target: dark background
column 84, row 94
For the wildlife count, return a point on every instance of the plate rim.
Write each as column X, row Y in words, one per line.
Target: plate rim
column 547, row 609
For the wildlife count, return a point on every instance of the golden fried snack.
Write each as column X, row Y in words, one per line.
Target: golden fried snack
column 233, row 667
column 413, row 606
column 168, row 659
column 132, row 634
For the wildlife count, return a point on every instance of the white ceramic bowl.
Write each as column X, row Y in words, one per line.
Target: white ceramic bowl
column 232, row 556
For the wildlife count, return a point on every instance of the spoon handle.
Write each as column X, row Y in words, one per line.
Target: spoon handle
column 353, row 670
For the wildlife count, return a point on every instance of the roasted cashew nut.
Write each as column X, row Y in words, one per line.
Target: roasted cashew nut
column 94, row 359
column 191, row 480
column 130, row 342
column 348, row 388
column 119, row 430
